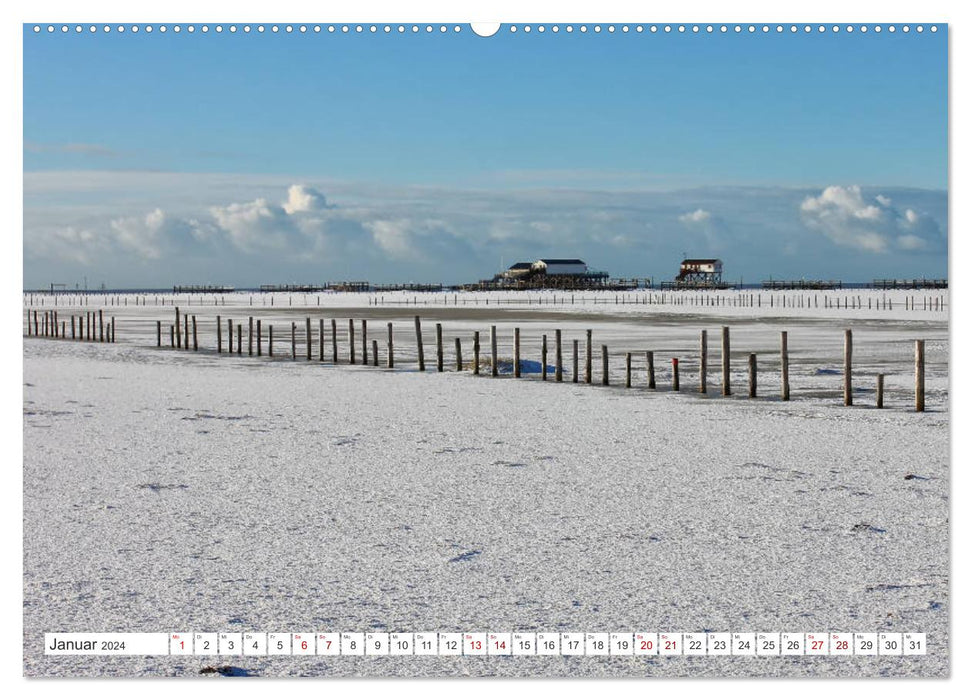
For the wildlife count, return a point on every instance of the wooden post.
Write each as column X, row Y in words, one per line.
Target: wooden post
column 475, row 353
column 543, row 358
column 219, row 334
column 879, row 391
column 627, row 383
column 726, row 362
column 703, row 377
column 171, row 335
column 516, row 371
column 350, row 339
column 675, row 375
column 919, row 375
column 158, row 333
column 421, row 347
column 559, row 356
column 847, row 367
column 178, row 328
column 493, row 342
column 310, row 340
column 269, row 341
column 363, row 341
column 293, row 340
column 239, row 338
column 195, row 333
column 606, row 369
column 458, row 354
column 390, row 345
column 374, row 352
column 229, row 326
column 320, row 336
column 651, row 384
column 439, row 350
column 753, row 378
column 576, row 360
column 101, row 327
column 333, row 334
column 785, row 365
column 250, row 336
column 74, row 336
column 588, row 360
column 259, row 337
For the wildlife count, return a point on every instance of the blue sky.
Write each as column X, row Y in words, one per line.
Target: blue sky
column 498, row 128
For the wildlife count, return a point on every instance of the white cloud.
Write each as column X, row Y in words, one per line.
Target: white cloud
column 301, row 198
column 142, row 235
column 848, row 219
column 697, row 216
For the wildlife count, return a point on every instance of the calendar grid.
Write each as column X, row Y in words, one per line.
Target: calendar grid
column 370, row 644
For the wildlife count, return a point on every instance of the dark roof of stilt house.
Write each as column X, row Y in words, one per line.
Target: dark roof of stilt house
column 521, row 266
column 561, row 261
column 700, row 261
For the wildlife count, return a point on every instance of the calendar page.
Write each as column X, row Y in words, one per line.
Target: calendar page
column 519, row 349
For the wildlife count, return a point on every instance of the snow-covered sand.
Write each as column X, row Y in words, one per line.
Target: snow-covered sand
column 176, row 491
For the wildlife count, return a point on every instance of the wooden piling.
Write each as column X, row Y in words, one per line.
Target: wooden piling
column 310, row 340
column 259, row 337
column 293, row 340
column 333, row 335
column 239, row 338
column 493, row 342
column 703, row 374
column 753, row 377
column 350, row 340
column 74, row 336
column 919, row 376
column 101, row 326
column 559, row 356
column 421, row 347
column 178, row 328
column 171, row 336
column 588, row 360
column 390, row 345
column 249, row 336
column 320, row 337
column 784, row 352
column 628, row 382
column 543, row 358
column 374, row 352
column 726, row 362
column 675, row 375
column 439, row 350
column 847, row 367
column 606, row 368
column 195, row 333
column 269, row 341
column 475, row 352
column 458, row 354
column 158, row 333
column 516, row 370
column 364, row 341
column 219, row 334
column 651, row 384
column 229, row 327
column 576, row 360
column 879, row 391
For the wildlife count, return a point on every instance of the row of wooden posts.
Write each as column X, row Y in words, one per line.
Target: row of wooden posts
column 89, row 326
column 179, row 334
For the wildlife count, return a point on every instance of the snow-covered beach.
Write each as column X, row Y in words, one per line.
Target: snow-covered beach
column 169, row 490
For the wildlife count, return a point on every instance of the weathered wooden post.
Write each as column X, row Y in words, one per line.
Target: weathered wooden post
column 703, row 376
column 628, row 358
column 516, row 370
column 753, row 378
column 651, row 384
column 239, row 338
column 320, row 336
column 293, row 340
column 229, row 326
column 101, row 327
column 785, row 365
column 350, row 341
column 421, row 347
column 195, row 333
column 363, row 341
column 171, row 335
column 559, row 356
column 439, row 350
column 726, row 363
column 178, row 328
column 269, row 341
column 493, row 342
column 310, row 340
column 219, row 334
column 606, row 369
column 588, row 360
column 158, row 333
column 74, row 336
column 250, row 336
column 259, row 337
column 543, row 358
column 919, row 375
column 333, row 335
column 390, row 345
column 576, row 360
column 458, row 354
column 847, row 367
column 475, row 352
column 185, row 338
column 879, row 391
column 374, row 352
